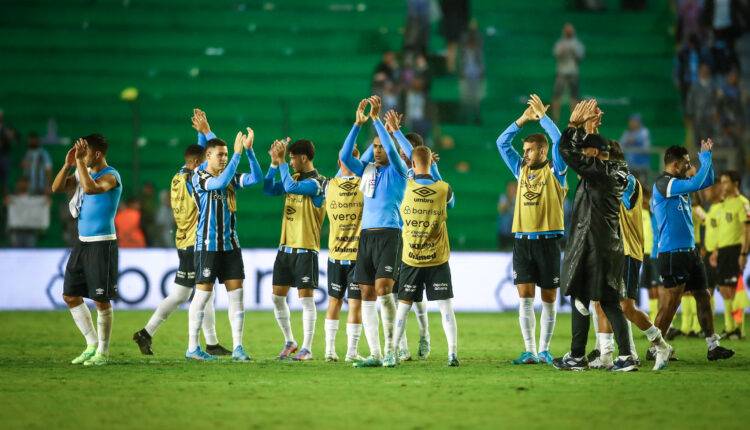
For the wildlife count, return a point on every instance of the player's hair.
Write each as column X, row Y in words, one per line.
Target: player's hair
column 615, row 151
column 674, row 153
column 733, row 175
column 415, row 139
column 302, row 147
column 97, row 142
column 421, row 155
column 194, row 151
column 537, row 138
column 213, row 143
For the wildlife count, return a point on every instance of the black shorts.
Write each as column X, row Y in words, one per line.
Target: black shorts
column 537, row 261
column 298, row 269
column 415, row 280
column 379, row 255
column 630, row 274
column 682, row 267
column 728, row 266
column 224, row 265
column 92, row 271
column 185, row 275
column 341, row 281
column 648, row 277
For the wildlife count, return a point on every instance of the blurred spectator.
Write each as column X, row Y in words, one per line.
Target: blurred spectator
column 8, row 138
column 731, row 110
column 505, row 207
column 37, row 166
column 390, row 96
column 723, row 18
column 28, row 215
column 417, row 112
column 700, row 108
column 689, row 20
column 389, row 66
column 568, row 52
column 148, row 212
column 689, row 59
column 164, row 222
column 128, row 225
column 472, row 84
column 417, row 32
column 636, row 142
column 453, row 26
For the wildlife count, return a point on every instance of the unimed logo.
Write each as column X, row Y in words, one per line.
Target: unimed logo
column 424, row 192
column 347, row 186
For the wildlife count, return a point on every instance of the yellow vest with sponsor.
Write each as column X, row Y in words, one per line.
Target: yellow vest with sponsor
column 184, row 209
column 648, row 232
column 712, row 227
column 344, row 203
column 300, row 227
column 425, row 234
column 631, row 226
column 734, row 212
column 539, row 201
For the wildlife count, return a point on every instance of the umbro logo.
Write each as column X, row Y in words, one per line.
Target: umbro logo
column 99, row 291
column 348, row 186
column 305, row 279
column 530, row 195
column 290, row 210
column 388, row 269
column 424, row 192
column 555, row 280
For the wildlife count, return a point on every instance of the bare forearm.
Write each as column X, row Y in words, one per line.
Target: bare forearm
column 87, row 182
column 61, row 179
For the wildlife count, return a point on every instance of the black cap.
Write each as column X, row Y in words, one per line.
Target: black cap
column 595, row 141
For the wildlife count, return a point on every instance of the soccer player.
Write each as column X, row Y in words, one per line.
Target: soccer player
column 218, row 254
column 185, row 214
column 631, row 232
column 537, row 225
column 382, row 184
column 296, row 263
column 426, row 249
column 91, row 271
column 680, row 265
column 593, row 264
column 733, row 243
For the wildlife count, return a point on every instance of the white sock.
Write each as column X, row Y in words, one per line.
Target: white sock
column 104, row 329
column 633, row 351
column 82, row 317
column 402, row 313
column 402, row 344
column 195, row 317
column 331, row 327
column 353, row 331
column 236, row 312
column 450, row 327
column 420, row 308
column 388, row 314
column 654, row 335
column 606, row 343
column 309, row 315
column 713, row 341
column 527, row 321
column 372, row 330
column 281, row 311
column 209, row 322
column 174, row 299
column 547, row 323
column 595, row 321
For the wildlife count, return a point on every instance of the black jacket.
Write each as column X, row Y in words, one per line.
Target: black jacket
column 592, row 267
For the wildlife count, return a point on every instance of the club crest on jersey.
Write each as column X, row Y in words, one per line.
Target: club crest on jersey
column 206, row 272
column 531, row 176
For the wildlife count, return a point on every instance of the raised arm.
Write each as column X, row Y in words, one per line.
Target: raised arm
column 271, row 187
column 367, row 156
column 509, row 155
column 540, row 111
column 89, row 185
column 347, row 157
column 256, row 173
column 63, row 181
column 211, row 183
column 677, row 187
column 394, row 158
column 306, row 187
column 200, row 124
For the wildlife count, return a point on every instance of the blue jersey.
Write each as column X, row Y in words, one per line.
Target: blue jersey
column 217, row 204
column 96, row 220
column 672, row 206
column 382, row 208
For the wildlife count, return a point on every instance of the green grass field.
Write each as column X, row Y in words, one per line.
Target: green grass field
column 39, row 389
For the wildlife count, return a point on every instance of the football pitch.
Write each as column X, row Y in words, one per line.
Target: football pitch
column 40, row 389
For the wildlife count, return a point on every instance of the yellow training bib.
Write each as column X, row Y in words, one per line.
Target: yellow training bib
column 425, row 235
column 631, row 226
column 344, row 203
column 184, row 209
column 539, row 201
column 300, row 226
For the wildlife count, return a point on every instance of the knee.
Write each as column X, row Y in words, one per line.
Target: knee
column 103, row 306
column 72, row 301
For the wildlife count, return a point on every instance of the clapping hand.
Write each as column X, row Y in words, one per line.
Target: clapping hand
column 537, row 106
column 80, row 149
column 707, row 145
column 375, row 104
column 361, row 117
column 393, row 121
column 200, row 121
